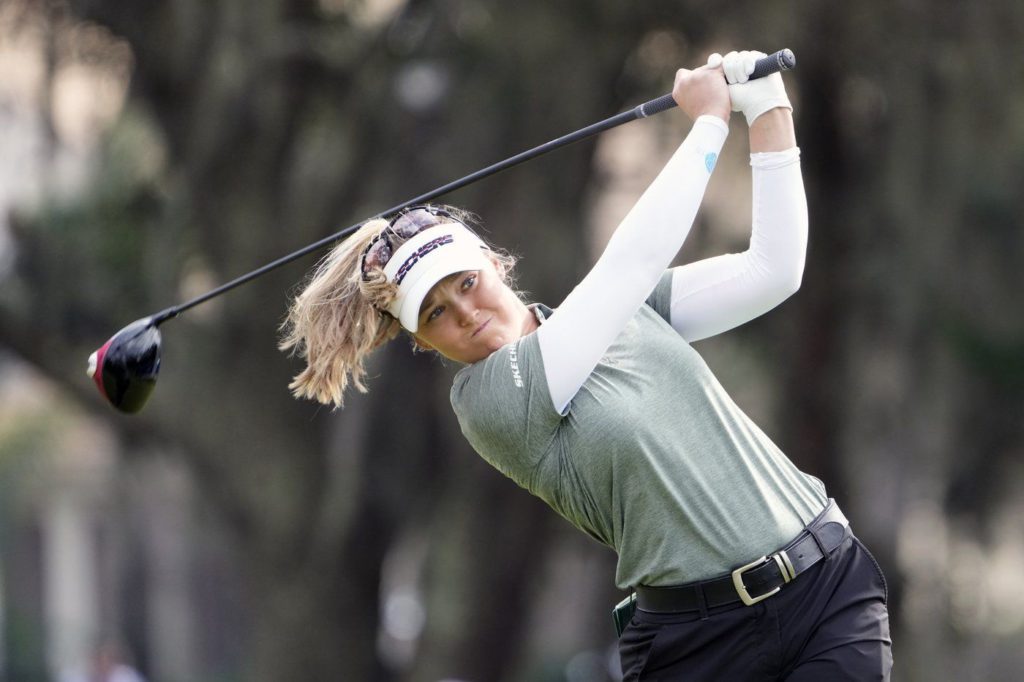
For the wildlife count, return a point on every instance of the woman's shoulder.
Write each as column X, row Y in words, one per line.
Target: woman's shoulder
column 505, row 410
column 508, row 386
column 499, row 376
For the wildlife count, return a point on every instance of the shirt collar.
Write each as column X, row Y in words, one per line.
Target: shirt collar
column 541, row 312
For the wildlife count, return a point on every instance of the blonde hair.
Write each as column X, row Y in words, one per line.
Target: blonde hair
column 339, row 317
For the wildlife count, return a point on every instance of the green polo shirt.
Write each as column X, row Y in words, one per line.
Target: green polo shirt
column 651, row 458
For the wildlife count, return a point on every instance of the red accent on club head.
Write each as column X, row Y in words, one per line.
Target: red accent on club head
column 98, row 374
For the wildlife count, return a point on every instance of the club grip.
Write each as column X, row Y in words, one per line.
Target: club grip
column 655, row 106
column 783, row 60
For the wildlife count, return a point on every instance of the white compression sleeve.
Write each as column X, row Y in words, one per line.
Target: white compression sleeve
column 573, row 340
column 717, row 294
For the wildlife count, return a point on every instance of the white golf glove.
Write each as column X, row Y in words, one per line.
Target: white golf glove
column 755, row 97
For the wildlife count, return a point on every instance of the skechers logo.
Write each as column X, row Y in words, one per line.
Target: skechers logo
column 419, row 253
column 513, row 361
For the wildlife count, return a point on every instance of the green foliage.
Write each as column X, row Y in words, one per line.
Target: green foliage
column 25, row 641
column 997, row 362
column 83, row 256
column 26, row 439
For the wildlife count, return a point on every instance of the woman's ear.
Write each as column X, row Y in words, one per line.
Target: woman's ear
column 498, row 266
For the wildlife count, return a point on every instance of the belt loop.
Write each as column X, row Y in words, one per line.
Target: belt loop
column 818, row 541
column 702, row 602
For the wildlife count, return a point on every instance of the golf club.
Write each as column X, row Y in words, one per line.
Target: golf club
column 125, row 368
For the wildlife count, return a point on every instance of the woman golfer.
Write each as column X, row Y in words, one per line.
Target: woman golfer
column 743, row 568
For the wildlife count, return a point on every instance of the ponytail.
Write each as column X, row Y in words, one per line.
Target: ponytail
column 337, row 321
column 338, row 318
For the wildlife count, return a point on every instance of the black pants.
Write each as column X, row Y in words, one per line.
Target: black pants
column 831, row 623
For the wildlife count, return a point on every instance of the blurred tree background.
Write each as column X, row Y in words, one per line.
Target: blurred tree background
column 152, row 150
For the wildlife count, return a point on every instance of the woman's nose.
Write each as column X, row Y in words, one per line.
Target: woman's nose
column 466, row 312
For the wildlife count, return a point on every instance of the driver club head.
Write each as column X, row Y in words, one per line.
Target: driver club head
column 125, row 368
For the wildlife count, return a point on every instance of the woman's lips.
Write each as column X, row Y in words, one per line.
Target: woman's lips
column 483, row 326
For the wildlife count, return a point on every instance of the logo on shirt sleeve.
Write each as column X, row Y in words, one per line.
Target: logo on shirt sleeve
column 513, row 361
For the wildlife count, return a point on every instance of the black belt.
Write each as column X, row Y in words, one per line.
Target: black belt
column 757, row 580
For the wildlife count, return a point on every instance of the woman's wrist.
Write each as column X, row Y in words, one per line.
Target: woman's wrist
column 715, row 121
column 773, row 131
column 719, row 114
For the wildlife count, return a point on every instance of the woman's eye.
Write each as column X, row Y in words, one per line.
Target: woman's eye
column 435, row 313
column 469, row 281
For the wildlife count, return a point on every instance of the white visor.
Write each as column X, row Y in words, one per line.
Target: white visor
column 426, row 259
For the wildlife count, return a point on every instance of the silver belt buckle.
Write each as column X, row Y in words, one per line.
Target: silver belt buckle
column 785, row 568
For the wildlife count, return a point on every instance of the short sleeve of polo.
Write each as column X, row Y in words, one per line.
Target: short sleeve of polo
column 504, row 409
column 661, row 298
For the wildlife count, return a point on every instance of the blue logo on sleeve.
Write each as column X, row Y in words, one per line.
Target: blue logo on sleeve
column 709, row 161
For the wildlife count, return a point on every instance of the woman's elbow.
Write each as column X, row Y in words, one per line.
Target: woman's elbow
column 785, row 281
